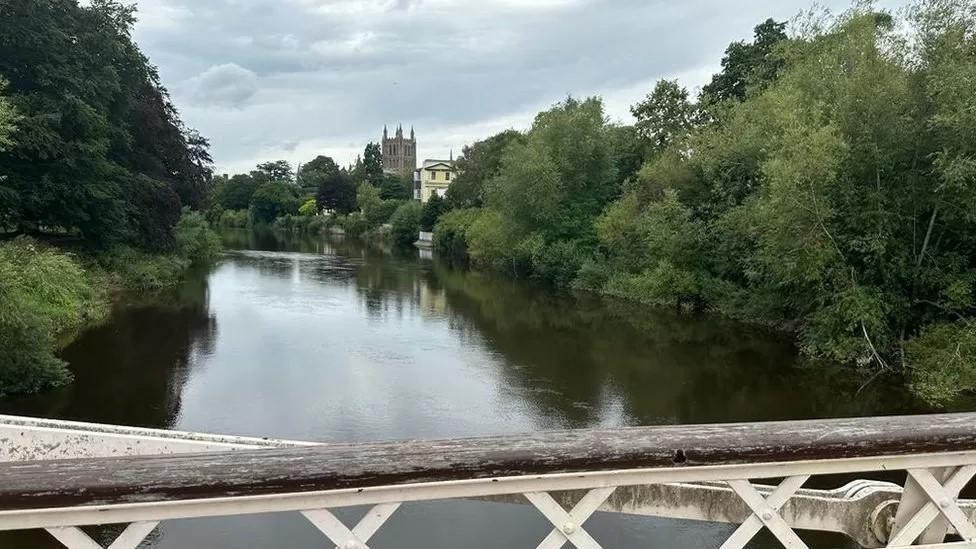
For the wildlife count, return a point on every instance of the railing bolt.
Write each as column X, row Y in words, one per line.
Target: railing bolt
column 569, row 528
column 767, row 515
column 944, row 503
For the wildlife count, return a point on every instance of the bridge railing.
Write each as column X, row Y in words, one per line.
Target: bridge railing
column 703, row 472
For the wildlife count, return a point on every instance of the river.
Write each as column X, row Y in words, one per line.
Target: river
column 328, row 339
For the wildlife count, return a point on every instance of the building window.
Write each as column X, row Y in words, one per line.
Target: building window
column 447, row 176
column 433, row 175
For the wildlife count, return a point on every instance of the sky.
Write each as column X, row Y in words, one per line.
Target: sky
column 292, row 79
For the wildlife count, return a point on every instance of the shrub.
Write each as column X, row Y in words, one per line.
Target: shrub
column 405, row 222
column 450, row 233
column 43, row 292
column 133, row 269
column 942, row 361
column 318, row 224
column 233, row 219
column 194, row 238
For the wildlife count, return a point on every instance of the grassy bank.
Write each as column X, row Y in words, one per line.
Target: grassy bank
column 48, row 293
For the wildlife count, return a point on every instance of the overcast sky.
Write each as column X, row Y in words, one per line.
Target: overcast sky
column 269, row 79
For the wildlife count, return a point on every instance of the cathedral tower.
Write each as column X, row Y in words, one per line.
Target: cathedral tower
column 399, row 152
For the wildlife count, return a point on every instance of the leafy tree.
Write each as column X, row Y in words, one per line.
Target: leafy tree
column 309, row 207
column 405, row 222
column 235, row 193
column 746, row 65
column 313, row 173
column 371, row 170
column 433, row 209
column 273, row 200
column 396, row 187
column 277, row 171
column 547, row 193
column 93, row 117
column 337, row 193
column 477, row 165
column 665, row 117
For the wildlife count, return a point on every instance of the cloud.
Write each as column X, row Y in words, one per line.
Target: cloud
column 297, row 78
column 227, row 85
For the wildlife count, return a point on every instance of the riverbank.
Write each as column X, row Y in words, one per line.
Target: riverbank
column 50, row 292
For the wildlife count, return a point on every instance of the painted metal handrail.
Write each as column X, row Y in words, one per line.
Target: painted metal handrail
column 938, row 452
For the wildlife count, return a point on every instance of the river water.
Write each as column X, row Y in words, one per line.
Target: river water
column 328, row 339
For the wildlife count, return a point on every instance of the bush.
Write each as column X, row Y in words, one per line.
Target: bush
column 942, row 361
column 433, row 210
column 318, row 224
column 136, row 270
column 405, row 222
column 44, row 292
column 450, row 233
column 194, row 238
column 236, row 219
column 353, row 224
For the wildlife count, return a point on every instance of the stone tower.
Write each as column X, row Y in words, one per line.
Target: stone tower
column 399, row 152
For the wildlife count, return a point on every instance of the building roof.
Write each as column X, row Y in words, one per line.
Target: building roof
column 428, row 162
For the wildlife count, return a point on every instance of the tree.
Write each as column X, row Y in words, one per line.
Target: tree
column 746, row 65
column 665, row 117
column 308, row 208
column 547, row 193
column 277, row 171
column 311, row 175
column 396, row 187
column 478, row 163
column 273, row 200
column 337, row 193
column 235, row 193
column 372, row 165
column 433, row 209
column 405, row 222
column 94, row 117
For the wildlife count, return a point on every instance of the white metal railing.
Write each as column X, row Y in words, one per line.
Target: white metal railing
column 691, row 472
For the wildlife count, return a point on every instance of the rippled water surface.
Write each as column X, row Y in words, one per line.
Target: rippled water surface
column 330, row 340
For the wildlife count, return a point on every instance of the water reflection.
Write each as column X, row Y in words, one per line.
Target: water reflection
column 329, row 339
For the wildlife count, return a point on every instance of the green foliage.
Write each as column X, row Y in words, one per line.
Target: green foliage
column 235, row 193
column 93, row 118
column 133, row 269
column 277, row 171
column 309, row 207
column 272, row 200
column 8, row 118
column 665, row 117
column 371, row 169
column 748, row 65
column 337, row 193
column 434, row 208
column 311, row 174
column 233, row 219
column 478, row 164
column 450, row 232
column 194, row 239
column 43, row 293
column 941, row 361
column 396, row 187
column 549, row 189
column 405, row 222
